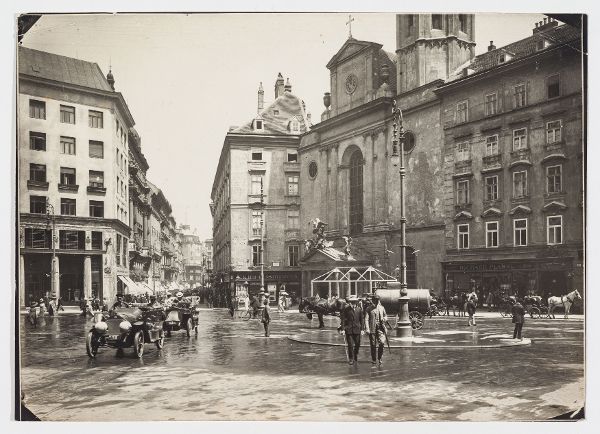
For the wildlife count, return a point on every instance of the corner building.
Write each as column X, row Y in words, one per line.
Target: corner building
column 262, row 152
column 73, row 179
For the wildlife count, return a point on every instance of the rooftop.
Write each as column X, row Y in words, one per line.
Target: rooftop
column 518, row 50
column 63, row 69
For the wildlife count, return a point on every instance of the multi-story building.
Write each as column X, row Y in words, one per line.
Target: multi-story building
column 513, row 191
column 208, row 256
column 140, row 248
column 72, row 178
column 260, row 156
column 193, row 254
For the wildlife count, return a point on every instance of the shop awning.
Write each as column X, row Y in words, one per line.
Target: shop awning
column 133, row 288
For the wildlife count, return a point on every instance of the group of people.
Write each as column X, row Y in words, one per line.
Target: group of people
column 359, row 318
column 48, row 304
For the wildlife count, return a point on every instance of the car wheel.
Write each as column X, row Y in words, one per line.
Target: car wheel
column 138, row 344
column 91, row 345
column 189, row 326
column 160, row 342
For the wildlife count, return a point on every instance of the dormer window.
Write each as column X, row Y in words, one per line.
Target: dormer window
column 502, row 58
column 541, row 44
column 294, row 126
column 259, row 125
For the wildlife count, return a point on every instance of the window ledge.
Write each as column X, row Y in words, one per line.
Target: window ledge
column 68, row 187
column 38, row 185
column 96, row 190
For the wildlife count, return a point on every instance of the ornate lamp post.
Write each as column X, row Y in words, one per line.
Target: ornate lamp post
column 403, row 327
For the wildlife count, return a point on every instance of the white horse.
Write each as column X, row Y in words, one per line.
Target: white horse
column 565, row 300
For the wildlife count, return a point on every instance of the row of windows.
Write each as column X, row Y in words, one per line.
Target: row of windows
column 293, row 221
column 38, row 205
column 519, row 141
column 38, row 173
column 121, row 250
column 37, row 142
column 37, row 110
column 292, row 157
column 519, row 99
column 520, row 187
column 68, row 240
column 554, row 233
column 256, row 185
column 293, row 254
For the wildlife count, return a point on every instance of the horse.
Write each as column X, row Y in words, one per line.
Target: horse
column 455, row 302
column 565, row 300
column 321, row 307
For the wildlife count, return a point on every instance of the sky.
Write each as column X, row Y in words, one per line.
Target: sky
column 188, row 77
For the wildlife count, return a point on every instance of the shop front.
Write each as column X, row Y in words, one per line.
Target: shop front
column 249, row 283
column 540, row 276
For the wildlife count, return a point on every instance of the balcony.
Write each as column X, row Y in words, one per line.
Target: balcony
column 70, row 188
column 257, row 166
column 37, row 185
column 291, row 166
column 492, row 162
column 95, row 189
column 520, row 156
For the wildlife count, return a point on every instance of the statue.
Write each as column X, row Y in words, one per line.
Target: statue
column 319, row 241
column 348, row 241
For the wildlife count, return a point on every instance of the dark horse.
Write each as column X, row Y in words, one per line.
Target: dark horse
column 321, row 307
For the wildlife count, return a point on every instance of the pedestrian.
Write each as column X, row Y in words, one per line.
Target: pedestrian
column 463, row 304
column 59, row 305
column 375, row 327
column 353, row 326
column 518, row 318
column 472, row 307
column 280, row 303
column 266, row 317
column 489, row 301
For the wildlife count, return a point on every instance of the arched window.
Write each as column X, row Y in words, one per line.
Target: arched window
column 356, row 192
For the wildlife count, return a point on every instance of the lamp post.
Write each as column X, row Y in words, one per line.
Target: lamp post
column 403, row 326
column 53, row 277
column 262, row 240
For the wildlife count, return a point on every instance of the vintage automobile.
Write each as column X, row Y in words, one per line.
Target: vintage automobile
column 126, row 327
column 182, row 316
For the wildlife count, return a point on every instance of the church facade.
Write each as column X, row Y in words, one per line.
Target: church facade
column 347, row 178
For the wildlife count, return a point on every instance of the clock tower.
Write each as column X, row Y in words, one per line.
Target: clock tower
column 432, row 46
column 357, row 72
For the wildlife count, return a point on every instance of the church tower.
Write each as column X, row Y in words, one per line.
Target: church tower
column 432, row 46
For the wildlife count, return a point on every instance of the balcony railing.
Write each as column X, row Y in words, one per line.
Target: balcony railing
column 520, row 155
column 462, row 167
column 292, row 234
column 40, row 185
column 95, row 189
column 68, row 187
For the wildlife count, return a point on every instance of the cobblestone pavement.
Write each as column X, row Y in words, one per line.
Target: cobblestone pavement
column 231, row 372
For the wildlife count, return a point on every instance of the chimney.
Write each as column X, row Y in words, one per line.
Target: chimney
column 309, row 119
column 279, row 86
column 261, row 98
column 491, row 46
column 541, row 26
column 288, row 85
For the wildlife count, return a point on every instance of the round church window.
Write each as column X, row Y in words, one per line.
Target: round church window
column 312, row 169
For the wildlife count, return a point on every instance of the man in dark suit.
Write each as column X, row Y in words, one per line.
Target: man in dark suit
column 518, row 318
column 353, row 326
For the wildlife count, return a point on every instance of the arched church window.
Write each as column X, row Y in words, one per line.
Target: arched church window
column 356, row 192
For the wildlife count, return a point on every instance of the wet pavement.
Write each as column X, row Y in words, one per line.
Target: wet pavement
column 230, row 371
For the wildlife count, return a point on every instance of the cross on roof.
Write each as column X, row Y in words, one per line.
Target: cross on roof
column 349, row 24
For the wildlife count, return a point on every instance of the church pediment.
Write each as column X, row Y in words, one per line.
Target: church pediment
column 350, row 48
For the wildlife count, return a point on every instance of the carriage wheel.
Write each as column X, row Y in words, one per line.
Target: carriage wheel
column 544, row 312
column 534, row 313
column 505, row 310
column 416, row 320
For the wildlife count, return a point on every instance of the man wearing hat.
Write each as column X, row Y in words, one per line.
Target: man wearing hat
column 353, row 326
column 120, row 302
column 375, row 327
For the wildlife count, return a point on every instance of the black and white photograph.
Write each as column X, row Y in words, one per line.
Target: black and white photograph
column 327, row 216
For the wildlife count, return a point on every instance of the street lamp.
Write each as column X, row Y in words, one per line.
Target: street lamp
column 262, row 240
column 403, row 326
column 53, row 272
